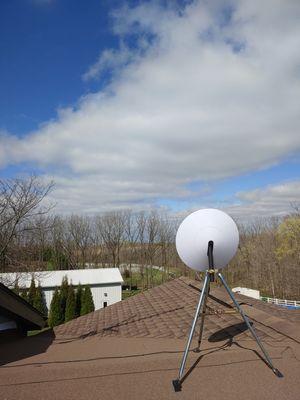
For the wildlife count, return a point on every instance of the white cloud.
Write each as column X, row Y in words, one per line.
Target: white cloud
column 274, row 200
column 203, row 97
column 96, row 194
column 110, row 59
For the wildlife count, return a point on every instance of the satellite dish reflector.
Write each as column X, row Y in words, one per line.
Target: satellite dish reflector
column 201, row 227
column 207, row 239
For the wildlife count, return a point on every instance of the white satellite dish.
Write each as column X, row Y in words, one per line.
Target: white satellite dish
column 207, row 239
column 201, row 227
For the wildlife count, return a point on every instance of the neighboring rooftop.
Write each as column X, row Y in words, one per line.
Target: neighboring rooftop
column 132, row 350
column 54, row 278
column 17, row 310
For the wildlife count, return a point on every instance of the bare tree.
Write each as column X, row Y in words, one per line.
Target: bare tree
column 141, row 233
column 111, row 230
column 295, row 209
column 152, row 243
column 80, row 231
column 166, row 236
column 20, row 202
column 40, row 237
column 96, row 248
column 267, row 258
column 131, row 235
column 65, row 247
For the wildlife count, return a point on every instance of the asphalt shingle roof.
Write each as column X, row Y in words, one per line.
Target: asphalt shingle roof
column 132, row 350
column 166, row 311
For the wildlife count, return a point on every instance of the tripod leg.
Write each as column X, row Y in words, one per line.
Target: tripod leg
column 177, row 382
column 202, row 312
column 245, row 318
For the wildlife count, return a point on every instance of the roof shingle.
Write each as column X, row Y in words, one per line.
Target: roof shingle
column 132, row 350
column 166, row 311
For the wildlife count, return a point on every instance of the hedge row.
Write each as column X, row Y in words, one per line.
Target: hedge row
column 67, row 303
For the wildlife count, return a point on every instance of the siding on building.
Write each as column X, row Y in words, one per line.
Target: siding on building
column 54, row 278
column 113, row 290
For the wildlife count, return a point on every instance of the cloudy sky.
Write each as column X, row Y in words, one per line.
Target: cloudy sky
column 139, row 104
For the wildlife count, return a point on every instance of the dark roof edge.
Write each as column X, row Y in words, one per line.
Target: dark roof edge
column 20, row 307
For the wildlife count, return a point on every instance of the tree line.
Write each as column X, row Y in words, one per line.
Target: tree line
column 33, row 238
column 268, row 257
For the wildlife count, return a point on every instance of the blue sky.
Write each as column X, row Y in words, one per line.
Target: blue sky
column 156, row 104
column 46, row 47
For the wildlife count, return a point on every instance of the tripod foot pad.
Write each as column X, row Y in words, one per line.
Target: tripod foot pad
column 177, row 385
column 277, row 373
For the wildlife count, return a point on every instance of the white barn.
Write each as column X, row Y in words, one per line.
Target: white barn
column 105, row 283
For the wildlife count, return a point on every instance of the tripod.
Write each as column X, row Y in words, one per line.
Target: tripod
column 200, row 310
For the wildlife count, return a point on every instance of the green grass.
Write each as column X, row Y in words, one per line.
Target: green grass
column 129, row 293
column 37, row 332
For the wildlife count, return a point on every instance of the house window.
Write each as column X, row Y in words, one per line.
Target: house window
column 105, row 304
column 105, row 294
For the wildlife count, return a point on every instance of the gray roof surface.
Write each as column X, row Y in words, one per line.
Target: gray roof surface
column 166, row 311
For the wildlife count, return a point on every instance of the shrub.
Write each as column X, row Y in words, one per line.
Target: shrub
column 56, row 315
column 79, row 298
column 31, row 292
column 87, row 304
column 64, row 294
column 24, row 294
column 70, row 305
column 39, row 301
column 16, row 288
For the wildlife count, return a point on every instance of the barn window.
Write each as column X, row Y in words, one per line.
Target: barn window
column 105, row 294
column 105, row 304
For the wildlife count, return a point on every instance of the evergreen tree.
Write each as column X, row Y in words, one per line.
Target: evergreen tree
column 70, row 305
column 63, row 295
column 87, row 304
column 79, row 295
column 31, row 292
column 83, row 302
column 24, row 294
column 16, row 288
column 56, row 316
column 39, row 301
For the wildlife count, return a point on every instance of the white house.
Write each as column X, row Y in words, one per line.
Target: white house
column 105, row 283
